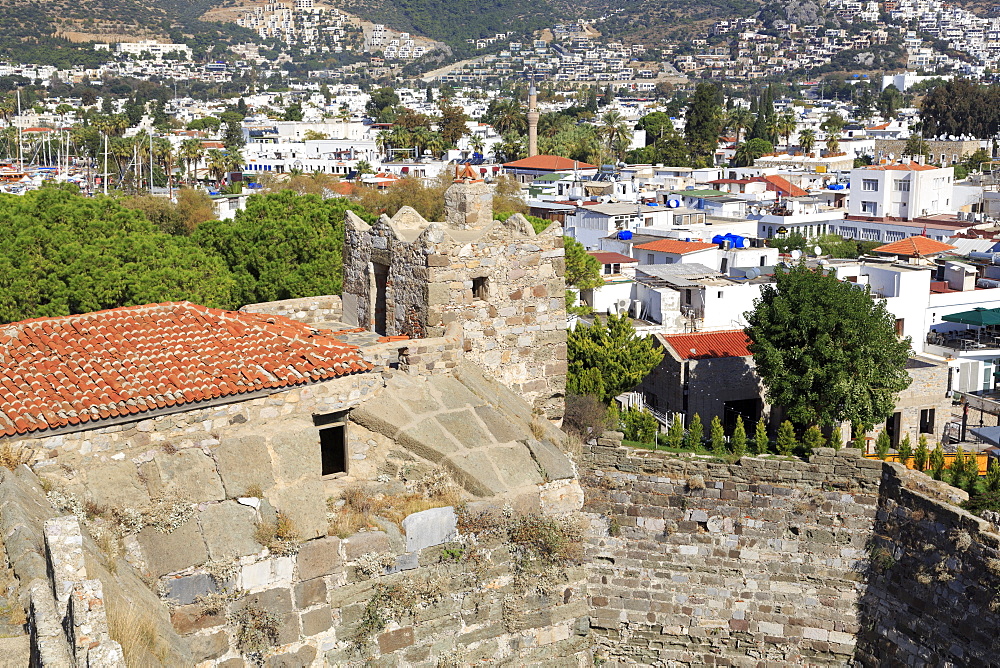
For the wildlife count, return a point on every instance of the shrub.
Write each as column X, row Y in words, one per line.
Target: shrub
column 983, row 502
column 717, row 436
column 812, row 439
column 992, row 479
column 761, row 442
column 882, row 445
column 257, row 631
column 937, row 462
column 540, row 542
column 786, row 442
column 585, row 415
column 639, row 425
column 675, row 435
column 921, row 454
column 280, row 536
column 613, row 418
column 905, row 450
column 836, row 438
column 12, row 457
column 695, row 433
column 739, row 438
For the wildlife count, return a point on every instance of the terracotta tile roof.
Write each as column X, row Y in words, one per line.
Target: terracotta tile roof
column 553, row 163
column 675, row 246
column 915, row 247
column 58, row 372
column 709, row 345
column 612, row 258
column 781, row 185
column 908, row 167
column 883, row 126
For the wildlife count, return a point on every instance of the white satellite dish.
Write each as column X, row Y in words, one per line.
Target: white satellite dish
column 796, row 254
column 817, row 250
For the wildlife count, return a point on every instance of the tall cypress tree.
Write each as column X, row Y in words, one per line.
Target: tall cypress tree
column 703, row 123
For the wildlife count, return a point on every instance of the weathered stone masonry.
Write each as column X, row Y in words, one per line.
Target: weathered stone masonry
column 785, row 563
column 501, row 282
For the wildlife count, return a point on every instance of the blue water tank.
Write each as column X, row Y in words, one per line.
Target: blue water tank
column 625, row 235
column 719, row 238
column 737, row 241
column 835, row 186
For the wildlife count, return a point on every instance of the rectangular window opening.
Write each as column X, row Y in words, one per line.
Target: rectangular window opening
column 480, row 288
column 927, row 421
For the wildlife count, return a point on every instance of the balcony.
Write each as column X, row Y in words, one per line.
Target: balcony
column 980, row 339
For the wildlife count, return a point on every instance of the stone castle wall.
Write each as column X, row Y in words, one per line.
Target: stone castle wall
column 738, row 563
column 933, row 592
column 310, row 310
column 503, row 284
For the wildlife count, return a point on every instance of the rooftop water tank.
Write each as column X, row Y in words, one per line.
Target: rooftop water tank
column 625, row 235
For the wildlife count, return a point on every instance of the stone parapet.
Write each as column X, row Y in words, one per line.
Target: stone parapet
column 310, row 310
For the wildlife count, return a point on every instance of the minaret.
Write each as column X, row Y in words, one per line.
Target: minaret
column 532, row 120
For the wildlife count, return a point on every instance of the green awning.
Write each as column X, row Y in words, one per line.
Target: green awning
column 978, row 316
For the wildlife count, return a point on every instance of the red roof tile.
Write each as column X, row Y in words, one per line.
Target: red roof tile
column 611, row 258
column 781, row 185
column 708, row 345
column 56, row 372
column 549, row 162
column 908, row 167
column 675, row 246
column 915, row 247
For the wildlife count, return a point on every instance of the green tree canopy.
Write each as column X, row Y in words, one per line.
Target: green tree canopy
column 608, row 356
column 583, row 271
column 826, row 350
column 66, row 254
column 283, row 246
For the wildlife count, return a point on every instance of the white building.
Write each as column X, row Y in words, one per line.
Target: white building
column 901, row 190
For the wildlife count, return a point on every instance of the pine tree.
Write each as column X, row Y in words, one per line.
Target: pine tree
column 921, row 454
column 937, row 462
column 836, row 438
column 993, row 476
column 957, row 469
column 882, row 445
column 905, row 450
column 695, row 433
column 614, row 416
column 812, row 439
column 786, row 439
column 675, row 435
column 738, row 441
column 760, row 440
column 718, row 437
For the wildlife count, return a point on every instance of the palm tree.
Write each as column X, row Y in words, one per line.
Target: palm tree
column 740, row 119
column 615, row 130
column 163, row 152
column 508, row 117
column 807, row 140
column 191, row 152
column 832, row 126
column 216, row 164
column 476, row 143
column 437, row 145
column 234, row 160
column 786, row 125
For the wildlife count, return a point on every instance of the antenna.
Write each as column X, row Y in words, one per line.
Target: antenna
column 796, row 254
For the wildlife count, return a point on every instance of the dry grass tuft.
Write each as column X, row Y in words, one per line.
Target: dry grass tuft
column 12, row 456
column 361, row 506
column 281, row 536
column 255, row 491
column 136, row 634
column 537, row 428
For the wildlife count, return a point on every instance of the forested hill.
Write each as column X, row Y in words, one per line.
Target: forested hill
column 60, row 32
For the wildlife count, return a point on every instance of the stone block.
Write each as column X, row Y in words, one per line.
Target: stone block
column 474, row 470
column 116, row 484
column 430, row 527
column 302, row 658
column 320, row 557
column 317, row 621
column 365, row 542
column 382, row 414
column 310, row 593
column 465, row 428
column 228, row 528
column 551, row 460
column 296, row 452
column 244, row 461
column 209, row 646
column 279, row 602
column 184, row 591
column 188, row 475
column 190, row 618
column 392, row 641
column 503, row 429
column 304, row 503
column 171, row 552
column 406, row 562
column 265, row 573
column 515, row 465
column 427, row 439
column 562, row 496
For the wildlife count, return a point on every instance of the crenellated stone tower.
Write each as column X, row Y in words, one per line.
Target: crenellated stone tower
column 503, row 282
